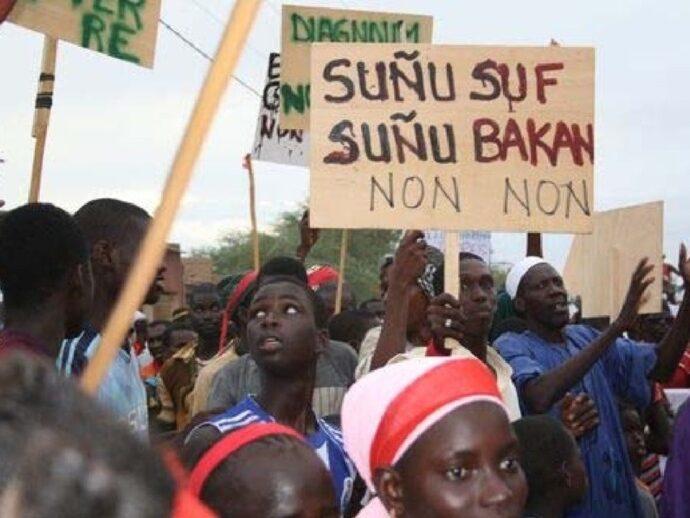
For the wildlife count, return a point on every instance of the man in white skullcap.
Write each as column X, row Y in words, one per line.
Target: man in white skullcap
column 553, row 358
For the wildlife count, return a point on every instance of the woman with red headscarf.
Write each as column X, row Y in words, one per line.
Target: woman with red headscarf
column 431, row 437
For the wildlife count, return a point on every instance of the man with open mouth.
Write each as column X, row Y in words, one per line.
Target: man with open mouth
column 552, row 359
column 285, row 335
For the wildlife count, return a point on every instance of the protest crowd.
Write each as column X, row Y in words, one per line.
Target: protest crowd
column 246, row 405
column 456, row 392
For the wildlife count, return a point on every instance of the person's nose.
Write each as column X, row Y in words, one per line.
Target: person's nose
column 270, row 320
column 494, row 490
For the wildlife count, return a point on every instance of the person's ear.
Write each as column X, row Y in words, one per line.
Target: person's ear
column 388, row 483
column 103, row 255
column 322, row 340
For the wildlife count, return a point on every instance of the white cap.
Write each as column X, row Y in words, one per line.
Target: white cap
column 518, row 271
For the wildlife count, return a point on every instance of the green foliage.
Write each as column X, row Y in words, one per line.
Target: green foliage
column 366, row 251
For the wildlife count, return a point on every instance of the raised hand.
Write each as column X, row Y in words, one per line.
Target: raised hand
column 409, row 262
column 308, row 236
column 638, row 285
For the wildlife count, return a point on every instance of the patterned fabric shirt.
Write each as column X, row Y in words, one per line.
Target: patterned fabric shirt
column 327, row 442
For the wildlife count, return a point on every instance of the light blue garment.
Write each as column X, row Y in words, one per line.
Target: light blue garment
column 122, row 390
column 621, row 372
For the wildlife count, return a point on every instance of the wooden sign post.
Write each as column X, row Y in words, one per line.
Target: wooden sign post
column 252, row 212
column 44, row 103
column 153, row 247
column 344, row 245
column 125, row 31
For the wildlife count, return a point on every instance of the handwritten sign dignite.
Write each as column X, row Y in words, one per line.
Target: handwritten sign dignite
column 301, row 26
column 452, row 137
column 271, row 142
column 123, row 29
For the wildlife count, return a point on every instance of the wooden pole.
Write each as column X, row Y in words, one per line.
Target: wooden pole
column 44, row 102
column 252, row 211
column 451, row 273
column 344, row 241
column 153, row 247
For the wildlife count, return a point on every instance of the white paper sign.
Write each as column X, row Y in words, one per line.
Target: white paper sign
column 474, row 242
column 271, row 142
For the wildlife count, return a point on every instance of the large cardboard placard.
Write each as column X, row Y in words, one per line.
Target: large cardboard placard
column 302, row 26
column 271, row 142
column 600, row 265
column 123, row 29
column 452, row 137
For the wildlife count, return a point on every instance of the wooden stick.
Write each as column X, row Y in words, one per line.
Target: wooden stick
column 451, row 273
column 153, row 247
column 252, row 211
column 44, row 102
column 344, row 241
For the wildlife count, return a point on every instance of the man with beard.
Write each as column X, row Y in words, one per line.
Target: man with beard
column 552, row 358
column 113, row 230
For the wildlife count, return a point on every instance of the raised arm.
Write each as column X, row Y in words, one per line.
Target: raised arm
column 672, row 347
column 541, row 393
column 408, row 265
column 307, row 237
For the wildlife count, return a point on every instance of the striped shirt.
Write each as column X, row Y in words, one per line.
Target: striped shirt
column 327, row 442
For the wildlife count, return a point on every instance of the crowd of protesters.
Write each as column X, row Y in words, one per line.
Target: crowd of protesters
column 257, row 400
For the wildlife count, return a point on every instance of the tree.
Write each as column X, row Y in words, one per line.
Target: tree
column 366, row 251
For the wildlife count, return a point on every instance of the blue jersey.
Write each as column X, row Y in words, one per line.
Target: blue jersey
column 327, row 442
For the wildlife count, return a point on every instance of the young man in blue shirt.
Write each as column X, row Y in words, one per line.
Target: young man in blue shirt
column 285, row 335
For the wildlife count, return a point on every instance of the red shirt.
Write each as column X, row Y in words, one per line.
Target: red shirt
column 19, row 341
column 681, row 377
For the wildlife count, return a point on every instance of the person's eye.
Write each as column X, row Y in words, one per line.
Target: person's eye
column 259, row 314
column 457, row 474
column 291, row 310
column 510, row 465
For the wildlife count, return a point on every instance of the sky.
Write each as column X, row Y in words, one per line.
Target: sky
column 115, row 127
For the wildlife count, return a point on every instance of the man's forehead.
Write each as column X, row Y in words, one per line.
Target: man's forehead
column 474, row 267
column 541, row 271
column 281, row 289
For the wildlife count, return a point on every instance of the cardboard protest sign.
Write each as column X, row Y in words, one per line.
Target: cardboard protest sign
column 474, row 242
column 271, row 142
column 452, row 137
column 302, row 26
column 600, row 265
column 123, row 29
